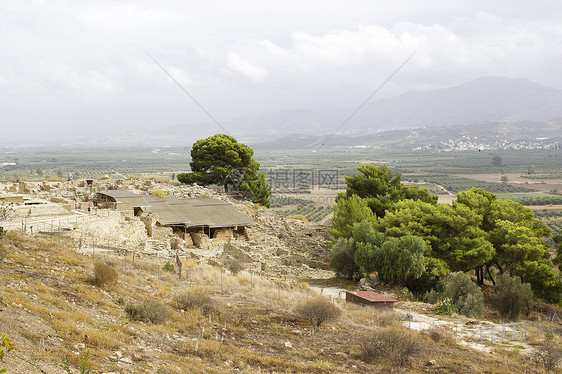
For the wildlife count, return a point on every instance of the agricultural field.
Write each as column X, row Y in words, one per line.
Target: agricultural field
column 311, row 213
column 552, row 218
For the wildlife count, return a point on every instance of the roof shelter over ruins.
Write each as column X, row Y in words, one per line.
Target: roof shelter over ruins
column 194, row 212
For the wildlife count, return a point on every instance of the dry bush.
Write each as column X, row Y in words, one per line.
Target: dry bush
column 104, row 275
column 398, row 345
column 387, row 318
column 317, row 311
column 441, row 334
column 548, row 355
column 146, row 311
column 196, row 299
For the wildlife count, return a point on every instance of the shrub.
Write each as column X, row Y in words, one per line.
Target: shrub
column 146, row 311
column 387, row 318
column 445, row 307
column 433, row 297
column 342, row 258
column 549, row 355
column 299, row 217
column 195, row 299
column 397, row 345
column 169, row 268
column 105, row 275
column 511, row 296
column 317, row 311
column 465, row 295
column 441, row 334
column 6, row 345
column 158, row 194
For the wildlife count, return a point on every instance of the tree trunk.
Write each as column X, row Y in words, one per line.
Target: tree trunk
column 490, row 275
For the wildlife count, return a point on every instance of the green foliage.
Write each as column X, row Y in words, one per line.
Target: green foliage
column 381, row 189
column 169, row 268
column 6, row 346
column 452, row 233
column 254, row 187
column 347, row 212
column 85, row 365
column 395, row 259
column 147, row 311
column 511, row 296
column 517, row 240
column 220, row 159
column 465, row 295
column 434, row 296
column 445, row 307
column 342, row 258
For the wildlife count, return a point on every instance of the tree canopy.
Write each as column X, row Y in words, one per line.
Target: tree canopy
column 378, row 221
column 221, row 159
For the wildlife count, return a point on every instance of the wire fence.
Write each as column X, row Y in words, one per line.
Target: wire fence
column 58, row 224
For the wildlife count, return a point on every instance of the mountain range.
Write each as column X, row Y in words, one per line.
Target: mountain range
column 497, row 100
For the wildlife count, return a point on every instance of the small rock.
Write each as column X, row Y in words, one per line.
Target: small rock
column 126, row 360
column 118, row 354
column 288, row 344
column 79, row 346
column 432, row 363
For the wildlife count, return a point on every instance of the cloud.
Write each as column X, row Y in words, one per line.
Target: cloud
column 250, row 58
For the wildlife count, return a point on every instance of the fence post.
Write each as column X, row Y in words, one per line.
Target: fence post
column 481, row 334
column 524, row 330
column 513, row 331
column 503, row 333
column 493, row 334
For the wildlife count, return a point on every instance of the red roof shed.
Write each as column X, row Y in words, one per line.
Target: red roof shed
column 369, row 298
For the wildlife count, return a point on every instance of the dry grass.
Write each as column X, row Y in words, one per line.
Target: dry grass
column 196, row 298
column 104, row 275
column 146, row 311
column 255, row 320
column 441, row 335
column 317, row 311
column 397, row 345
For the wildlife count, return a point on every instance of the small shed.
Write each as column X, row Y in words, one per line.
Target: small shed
column 369, row 298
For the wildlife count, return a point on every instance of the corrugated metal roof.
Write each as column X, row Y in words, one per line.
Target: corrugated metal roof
column 190, row 212
column 372, row 296
column 117, row 194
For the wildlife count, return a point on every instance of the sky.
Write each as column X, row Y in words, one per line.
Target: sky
column 72, row 69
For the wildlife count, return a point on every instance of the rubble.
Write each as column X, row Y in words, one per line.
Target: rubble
column 276, row 247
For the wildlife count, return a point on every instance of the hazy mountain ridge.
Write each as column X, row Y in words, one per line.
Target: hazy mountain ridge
column 486, row 135
column 487, row 99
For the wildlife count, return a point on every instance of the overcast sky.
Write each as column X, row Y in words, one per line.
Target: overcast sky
column 76, row 68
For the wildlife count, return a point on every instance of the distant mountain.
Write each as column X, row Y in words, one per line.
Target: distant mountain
column 486, row 135
column 492, row 99
column 487, row 99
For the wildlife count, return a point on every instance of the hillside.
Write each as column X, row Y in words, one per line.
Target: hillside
column 57, row 317
column 479, row 136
